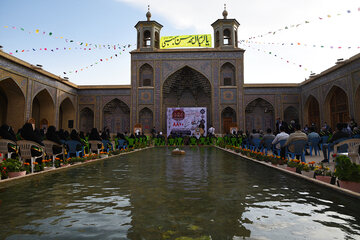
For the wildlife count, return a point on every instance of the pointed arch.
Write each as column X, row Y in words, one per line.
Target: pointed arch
column 357, row 105
column 259, row 114
column 147, row 38
column 43, row 109
column 291, row 113
column 146, row 73
column 12, row 104
column 66, row 114
column 336, row 106
column 227, row 73
column 86, row 120
column 186, row 87
column 116, row 116
column 312, row 112
column 146, row 119
column 228, row 119
column 227, row 37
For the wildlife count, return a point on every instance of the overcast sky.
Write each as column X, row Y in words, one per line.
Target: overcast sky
column 273, row 58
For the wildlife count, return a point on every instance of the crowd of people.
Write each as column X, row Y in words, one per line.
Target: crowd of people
column 280, row 140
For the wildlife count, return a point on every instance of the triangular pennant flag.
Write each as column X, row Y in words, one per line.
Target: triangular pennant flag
column 37, row 31
column 50, row 33
column 22, row 29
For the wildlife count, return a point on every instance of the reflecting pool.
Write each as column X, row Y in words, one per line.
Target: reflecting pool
column 205, row 194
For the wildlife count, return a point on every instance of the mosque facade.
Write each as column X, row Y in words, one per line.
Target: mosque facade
column 212, row 78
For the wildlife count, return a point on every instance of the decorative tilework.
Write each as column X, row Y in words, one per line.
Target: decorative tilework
column 146, row 96
column 228, row 96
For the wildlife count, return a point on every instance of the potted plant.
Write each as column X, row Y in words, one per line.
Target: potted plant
column 13, row 167
column 323, row 173
column 348, row 173
column 292, row 165
column 308, row 169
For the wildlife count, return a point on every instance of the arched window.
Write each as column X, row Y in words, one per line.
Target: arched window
column 147, row 38
column 217, row 39
column 227, row 74
column 157, row 40
column 227, row 37
column 146, row 76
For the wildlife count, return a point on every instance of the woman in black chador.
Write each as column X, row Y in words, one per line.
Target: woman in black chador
column 52, row 135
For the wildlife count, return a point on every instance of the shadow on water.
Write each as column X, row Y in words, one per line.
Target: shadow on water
column 205, row 194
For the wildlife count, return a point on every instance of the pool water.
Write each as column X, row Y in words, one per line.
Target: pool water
column 206, row 194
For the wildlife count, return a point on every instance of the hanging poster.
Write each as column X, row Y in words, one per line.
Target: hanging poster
column 203, row 40
column 186, row 121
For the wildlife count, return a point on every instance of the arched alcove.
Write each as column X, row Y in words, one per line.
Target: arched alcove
column 12, row 104
column 67, row 115
column 228, row 119
column 43, row 108
column 146, row 75
column 357, row 105
column 227, row 73
column 86, row 120
column 291, row 113
column 186, row 88
column 116, row 116
column 336, row 107
column 146, row 119
column 259, row 114
column 312, row 112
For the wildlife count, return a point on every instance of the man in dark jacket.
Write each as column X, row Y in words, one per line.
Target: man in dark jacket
column 337, row 135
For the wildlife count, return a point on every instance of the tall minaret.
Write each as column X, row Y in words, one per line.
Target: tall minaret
column 225, row 31
column 148, row 34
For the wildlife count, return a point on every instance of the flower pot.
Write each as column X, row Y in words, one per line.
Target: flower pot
column 104, row 155
column 283, row 166
column 352, row 186
column 291, row 169
column 309, row 174
column 325, row 179
column 16, row 174
column 65, row 165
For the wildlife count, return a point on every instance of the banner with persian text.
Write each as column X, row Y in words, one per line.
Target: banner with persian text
column 203, row 40
column 186, row 121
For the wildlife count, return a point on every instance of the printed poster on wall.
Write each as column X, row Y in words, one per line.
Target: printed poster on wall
column 186, row 120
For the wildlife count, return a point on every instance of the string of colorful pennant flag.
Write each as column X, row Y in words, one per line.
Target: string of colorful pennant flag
column 101, row 60
column 300, row 44
column 301, row 24
column 275, row 55
column 108, row 47
column 67, row 40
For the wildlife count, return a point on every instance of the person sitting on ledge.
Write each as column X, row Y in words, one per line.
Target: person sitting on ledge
column 337, row 135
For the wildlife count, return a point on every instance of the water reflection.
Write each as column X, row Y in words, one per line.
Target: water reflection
column 153, row 195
